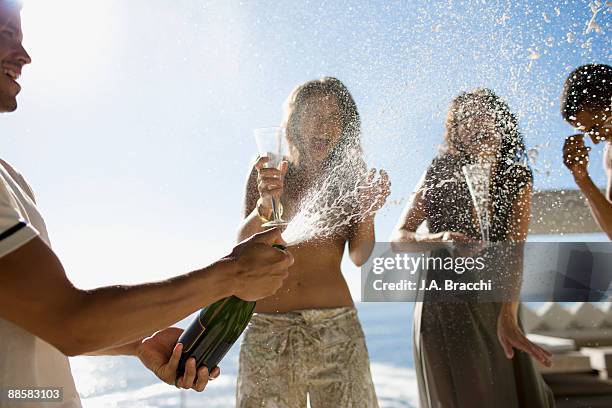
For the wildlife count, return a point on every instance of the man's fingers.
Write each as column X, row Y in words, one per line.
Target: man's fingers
column 578, row 137
column 269, row 237
column 175, row 357
column 190, row 373
column 202, row 379
column 576, row 149
column 215, row 373
column 287, row 260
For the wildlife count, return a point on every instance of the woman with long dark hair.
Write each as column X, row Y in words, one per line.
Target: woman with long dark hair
column 465, row 349
column 306, row 340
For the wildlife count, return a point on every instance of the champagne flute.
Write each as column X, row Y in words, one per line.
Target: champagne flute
column 478, row 179
column 271, row 143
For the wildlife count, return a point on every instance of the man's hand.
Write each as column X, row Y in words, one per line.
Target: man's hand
column 576, row 156
column 260, row 268
column 160, row 353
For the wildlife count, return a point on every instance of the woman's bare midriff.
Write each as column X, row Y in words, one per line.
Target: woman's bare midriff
column 315, row 280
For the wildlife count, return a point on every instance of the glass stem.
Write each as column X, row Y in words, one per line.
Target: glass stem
column 275, row 214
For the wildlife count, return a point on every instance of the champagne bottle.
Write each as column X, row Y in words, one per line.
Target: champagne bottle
column 215, row 330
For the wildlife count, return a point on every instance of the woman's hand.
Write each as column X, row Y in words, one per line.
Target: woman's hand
column 160, row 353
column 270, row 184
column 463, row 244
column 511, row 337
column 576, row 156
column 457, row 238
column 372, row 194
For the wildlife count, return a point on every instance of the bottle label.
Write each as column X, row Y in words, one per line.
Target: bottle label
column 191, row 335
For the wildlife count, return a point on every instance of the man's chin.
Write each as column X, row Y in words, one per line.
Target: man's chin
column 8, row 105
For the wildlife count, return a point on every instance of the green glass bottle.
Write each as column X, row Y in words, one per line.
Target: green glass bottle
column 215, row 330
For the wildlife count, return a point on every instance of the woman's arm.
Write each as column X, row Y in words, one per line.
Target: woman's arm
column 251, row 224
column 371, row 198
column 362, row 241
column 404, row 237
column 509, row 333
column 262, row 185
column 520, row 217
column 413, row 216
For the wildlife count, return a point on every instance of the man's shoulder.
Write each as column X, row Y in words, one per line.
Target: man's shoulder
column 17, row 178
column 10, row 169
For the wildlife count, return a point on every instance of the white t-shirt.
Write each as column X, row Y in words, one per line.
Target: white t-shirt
column 26, row 361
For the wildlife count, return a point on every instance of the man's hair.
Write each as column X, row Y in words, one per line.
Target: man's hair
column 587, row 87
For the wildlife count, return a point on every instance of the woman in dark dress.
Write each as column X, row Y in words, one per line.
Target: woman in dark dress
column 465, row 349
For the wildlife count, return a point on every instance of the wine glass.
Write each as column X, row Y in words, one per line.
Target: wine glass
column 272, row 143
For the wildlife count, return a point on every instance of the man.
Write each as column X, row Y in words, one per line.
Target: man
column 43, row 317
column 586, row 103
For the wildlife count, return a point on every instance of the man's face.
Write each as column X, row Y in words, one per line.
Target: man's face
column 596, row 123
column 12, row 55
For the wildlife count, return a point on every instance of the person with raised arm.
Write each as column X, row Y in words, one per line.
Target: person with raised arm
column 586, row 103
column 469, row 352
column 44, row 317
column 306, row 340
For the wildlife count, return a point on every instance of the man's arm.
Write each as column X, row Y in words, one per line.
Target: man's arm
column 601, row 207
column 36, row 295
column 161, row 353
column 576, row 158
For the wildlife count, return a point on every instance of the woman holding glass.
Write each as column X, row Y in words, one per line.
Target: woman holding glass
column 306, row 340
column 464, row 350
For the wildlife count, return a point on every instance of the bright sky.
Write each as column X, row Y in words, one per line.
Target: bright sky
column 136, row 117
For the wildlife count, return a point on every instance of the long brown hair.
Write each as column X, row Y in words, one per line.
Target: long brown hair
column 343, row 168
column 512, row 170
column 484, row 101
column 350, row 140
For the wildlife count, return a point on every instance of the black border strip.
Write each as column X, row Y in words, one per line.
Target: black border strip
column 12, row 230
